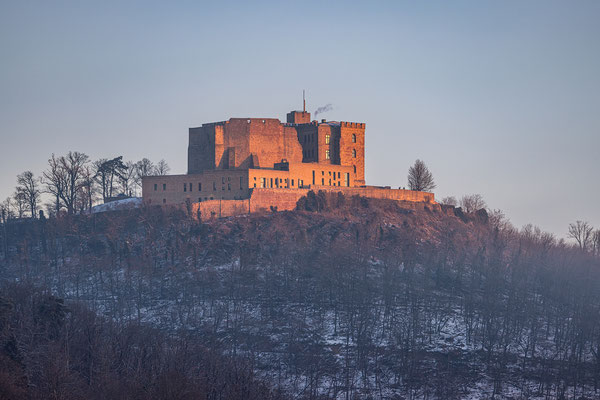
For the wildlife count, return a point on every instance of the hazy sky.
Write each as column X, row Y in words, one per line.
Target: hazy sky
column 499, row 98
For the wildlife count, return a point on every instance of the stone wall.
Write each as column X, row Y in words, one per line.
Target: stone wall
column 220, row 208
column 210, row 185
column 286, row 199
column 352, row 148
column 242, row 143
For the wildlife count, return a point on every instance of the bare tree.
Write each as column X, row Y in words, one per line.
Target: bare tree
column 107, row 171
column 472, row 202
column 88, row 189
column 128, row 178
column 420, row 178
column 54, row 179
column 162, row 168
column 143, row 168
column 20, row 203
column 6, row 209
column 449, row 201
column 596, row 242
column 500, row 222
column 581, row 231
column 73, row 164
column 29, row 186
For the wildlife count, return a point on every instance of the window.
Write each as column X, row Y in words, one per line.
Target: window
column 353, row 138
column 185, row 187
column 354, row 166
column 313, row 177
column 346, row 179
column 353, row 153
column 327, row 139
column 262, row 182
column 300, row 183
column 323, row 181
column 155, row 187
column 292, row 183
column 229, row 186
column 322, row 172
column 327, row 155
column 330, row 182
column 199, row 187
column 164, row 186
column 191, row 186
column 214, row 186
column 223, row 180
column 164, row 201
column 199, row 199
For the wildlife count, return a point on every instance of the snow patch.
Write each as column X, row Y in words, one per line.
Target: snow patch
column 125, row 204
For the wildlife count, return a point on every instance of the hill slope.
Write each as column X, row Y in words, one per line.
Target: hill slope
column 363, row 298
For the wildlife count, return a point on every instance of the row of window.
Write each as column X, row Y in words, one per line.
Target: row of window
column 277, row 183
column 311, row 138
column 311, row 153
column 271, row 182
column 336, row 179
column 190, row 187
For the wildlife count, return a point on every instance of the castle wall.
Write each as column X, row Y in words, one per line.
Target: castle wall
column 235, row 183
column 284, row 199
column 201, row 148
column 348, row 146
column 242, row 143
column 302, row 175
column 209, row 185
column 241, row 160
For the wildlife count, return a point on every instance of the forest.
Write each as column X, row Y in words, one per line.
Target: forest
column 343, row 298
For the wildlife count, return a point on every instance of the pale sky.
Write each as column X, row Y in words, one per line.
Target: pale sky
column 500, row 98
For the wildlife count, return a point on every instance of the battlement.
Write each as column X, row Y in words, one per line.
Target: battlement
column 298, row 117
column 352, row 125
column 243, row 120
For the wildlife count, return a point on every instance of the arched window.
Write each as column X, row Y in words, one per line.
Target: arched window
column 353, row 138
column 353, row 153
column 327, row 139
column 354, row 168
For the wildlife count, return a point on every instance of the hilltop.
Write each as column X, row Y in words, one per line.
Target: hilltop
column 342, row 297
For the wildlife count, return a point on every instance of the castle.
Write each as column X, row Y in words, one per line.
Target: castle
column 248, row 164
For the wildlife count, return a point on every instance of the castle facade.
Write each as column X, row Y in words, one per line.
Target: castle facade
column 232, row 160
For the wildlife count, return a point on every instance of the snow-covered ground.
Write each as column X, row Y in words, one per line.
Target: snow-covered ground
column 125, row 204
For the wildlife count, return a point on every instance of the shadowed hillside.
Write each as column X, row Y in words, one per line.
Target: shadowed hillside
column 342, row 298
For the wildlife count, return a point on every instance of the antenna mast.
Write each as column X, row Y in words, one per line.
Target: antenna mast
column 303, row 102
